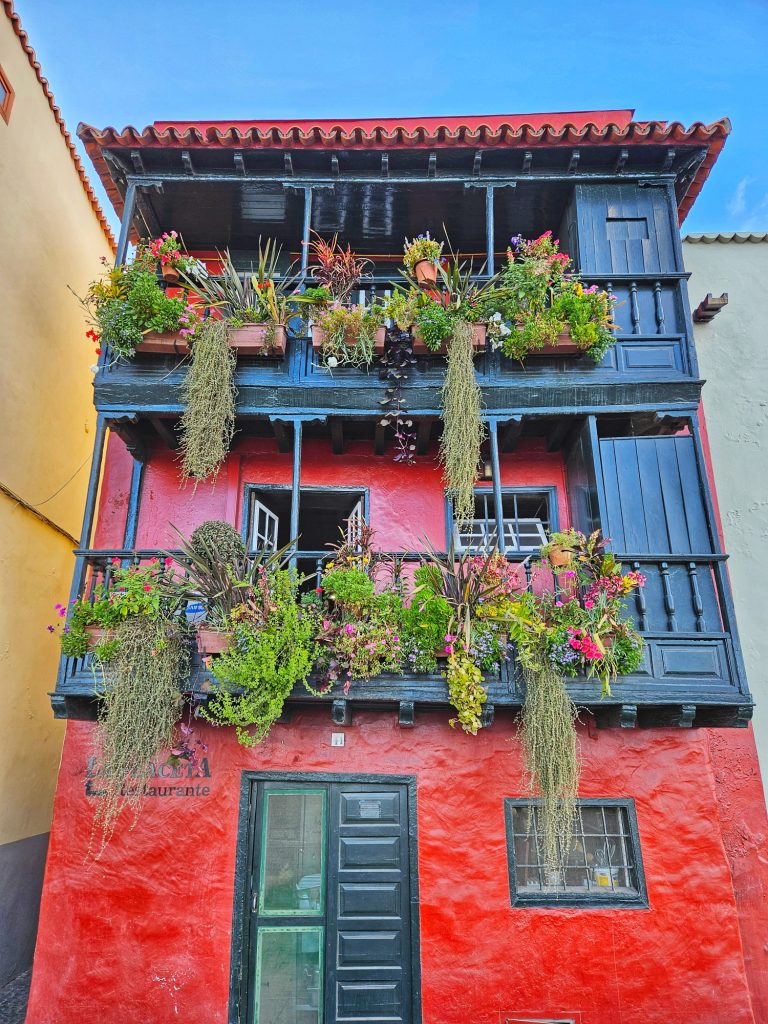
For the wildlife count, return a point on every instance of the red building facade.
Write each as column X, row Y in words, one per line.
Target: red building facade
column 425, row 912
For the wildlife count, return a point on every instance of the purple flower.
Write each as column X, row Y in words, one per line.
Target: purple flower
column 50, row 629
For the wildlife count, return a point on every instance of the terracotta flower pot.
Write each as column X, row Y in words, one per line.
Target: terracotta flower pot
column 98, row 635
column 558, row 555
column 170, row 274
column 478, row 342
column 167, row 344
column 258, row 339
column 425, row 272
column 212, row 641
column 562, row 347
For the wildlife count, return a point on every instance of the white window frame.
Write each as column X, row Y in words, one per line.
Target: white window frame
column 263, row 539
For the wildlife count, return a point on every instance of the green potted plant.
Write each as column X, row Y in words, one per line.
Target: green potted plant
column 542, row 309
column 256, row 306
column 127, row 310
column 344, row 333
column 421, row 257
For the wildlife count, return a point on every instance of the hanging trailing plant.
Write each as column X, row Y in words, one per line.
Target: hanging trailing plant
column 208, row 421
column 396, row 365
column 550, row 747
column 463, row 429
column 138, row 712
column 272, row 649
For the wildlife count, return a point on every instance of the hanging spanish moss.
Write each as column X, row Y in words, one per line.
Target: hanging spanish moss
column 551, row 756
column 209, row 394
column 463, row 429
column 139, row 708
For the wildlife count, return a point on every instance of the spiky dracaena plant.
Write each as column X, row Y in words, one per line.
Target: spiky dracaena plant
column 550, row 748
column 138, row 711
column 463, row 429
column 208, row 422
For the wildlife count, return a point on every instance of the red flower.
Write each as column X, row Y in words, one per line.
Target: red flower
column 98, row 351
column 147, row 587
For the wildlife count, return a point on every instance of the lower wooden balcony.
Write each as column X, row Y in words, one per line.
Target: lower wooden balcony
column 692, row 673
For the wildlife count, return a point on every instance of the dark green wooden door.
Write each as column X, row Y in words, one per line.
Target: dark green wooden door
column 330, row 903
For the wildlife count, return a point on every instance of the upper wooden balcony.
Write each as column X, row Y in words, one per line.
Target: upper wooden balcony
column 613, row 208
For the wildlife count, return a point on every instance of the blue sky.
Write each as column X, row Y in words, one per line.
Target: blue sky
column 135, row 62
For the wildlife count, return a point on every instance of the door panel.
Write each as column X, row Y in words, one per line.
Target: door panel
column 330, row 900
column 654, row 496
column 371, row 951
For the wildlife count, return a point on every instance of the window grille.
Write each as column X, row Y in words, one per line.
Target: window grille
column 601, row 866
column 526, row 522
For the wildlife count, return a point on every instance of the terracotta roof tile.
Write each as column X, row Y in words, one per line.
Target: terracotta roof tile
column 593, row 128
column 35, row 64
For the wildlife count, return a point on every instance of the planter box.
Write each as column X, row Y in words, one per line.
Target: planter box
column 98, row 635
column 212, row 641
column 478, row 342
column 251, row 340
column 319, row 337
column 562, row 347
column 168, row 344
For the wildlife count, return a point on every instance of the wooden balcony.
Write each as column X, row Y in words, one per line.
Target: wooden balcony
column 692, row 675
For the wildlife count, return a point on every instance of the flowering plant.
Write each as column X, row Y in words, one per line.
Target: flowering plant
column 422, row 247
column 581, row 628
column 126, row 302
column 539, row 298
column 135, row 590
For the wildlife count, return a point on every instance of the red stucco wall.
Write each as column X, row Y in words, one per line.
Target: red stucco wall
column 144, row 933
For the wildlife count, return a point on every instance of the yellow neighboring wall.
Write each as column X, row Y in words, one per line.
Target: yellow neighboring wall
column 50, row 237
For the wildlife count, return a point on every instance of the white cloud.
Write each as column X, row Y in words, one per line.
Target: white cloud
column 738, row 203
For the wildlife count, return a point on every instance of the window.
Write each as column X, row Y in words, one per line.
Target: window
column 527, row 518
column 6, row 97
column 602, row 867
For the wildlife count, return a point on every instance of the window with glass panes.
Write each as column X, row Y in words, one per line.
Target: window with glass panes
column 602, row 865
column 527, row 520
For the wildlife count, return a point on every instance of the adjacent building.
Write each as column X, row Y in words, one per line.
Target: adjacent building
column 54, row 234
column 397, row 833
column 729, row 346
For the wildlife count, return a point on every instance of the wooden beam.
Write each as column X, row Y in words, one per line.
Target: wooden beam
column 166, row 432
column 510, row 434
column 527, row 161
column 336, row 425
column 138, row 163
column 432, row 165
column 341, row 712
column 334, row 165
column 573, row 163
column 557, row 435
column 709, row 307
column 237, row 156
column 621, row 161
column 477, row 163
column 669, row 159
column 385, row 165
column 406, row 714
column 282, row 436
column 423, row 432
column 186, row 162
column 288, row 163
column 380, row 438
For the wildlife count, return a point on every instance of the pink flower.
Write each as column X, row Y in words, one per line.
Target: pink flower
column 147, row 587
column 168, row 561
column 115, row 561
column 448, row 648
column 589, row 604
column 349, row 629
column 558, row 604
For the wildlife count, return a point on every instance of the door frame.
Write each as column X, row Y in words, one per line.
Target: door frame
column 246, row 838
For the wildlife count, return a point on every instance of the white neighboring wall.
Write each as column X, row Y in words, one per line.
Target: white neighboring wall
column 733, row 359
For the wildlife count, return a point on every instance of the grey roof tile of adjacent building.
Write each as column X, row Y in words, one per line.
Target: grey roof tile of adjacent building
column 727, row 236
